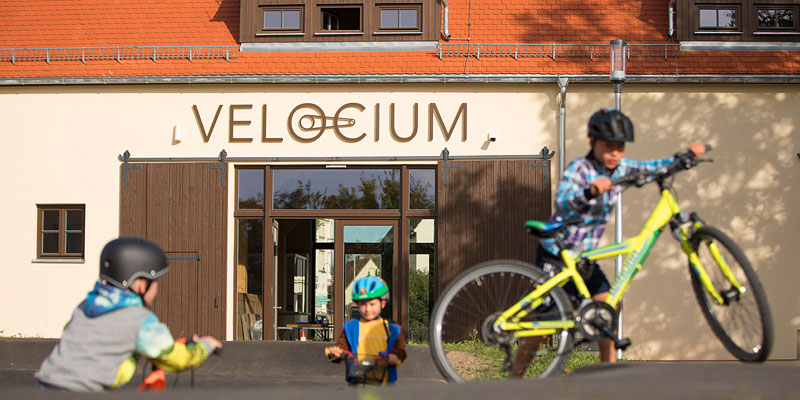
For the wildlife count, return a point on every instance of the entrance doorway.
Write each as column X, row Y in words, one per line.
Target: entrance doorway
column 316, row 262
column 306, row 233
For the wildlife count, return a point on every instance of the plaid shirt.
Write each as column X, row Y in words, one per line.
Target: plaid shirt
column 571, row 200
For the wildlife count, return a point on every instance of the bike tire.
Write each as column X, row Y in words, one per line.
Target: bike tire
column 744, row 325
column 478, row 293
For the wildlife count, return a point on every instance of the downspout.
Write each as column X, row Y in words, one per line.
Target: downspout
column 446, row 26
column 671, row 18
column 562, row 124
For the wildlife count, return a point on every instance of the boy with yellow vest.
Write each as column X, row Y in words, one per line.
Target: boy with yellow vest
column 371, row 337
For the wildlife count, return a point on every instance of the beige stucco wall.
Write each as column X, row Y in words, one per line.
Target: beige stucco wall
column 61, row 146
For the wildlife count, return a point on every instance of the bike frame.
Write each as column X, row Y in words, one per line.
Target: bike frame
column 636, row 248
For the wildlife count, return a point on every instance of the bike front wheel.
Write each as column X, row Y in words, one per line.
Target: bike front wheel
column 742, row 322
column 462, row 344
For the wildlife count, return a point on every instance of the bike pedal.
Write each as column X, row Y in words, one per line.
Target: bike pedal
column 622, row 344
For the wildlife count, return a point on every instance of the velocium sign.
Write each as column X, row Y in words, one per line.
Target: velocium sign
column 307, row 122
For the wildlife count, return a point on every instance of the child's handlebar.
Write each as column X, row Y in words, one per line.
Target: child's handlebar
column 683, row 161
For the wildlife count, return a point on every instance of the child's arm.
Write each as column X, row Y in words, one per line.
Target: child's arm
column 341, row 345
column 652, row 165
column 573, row 192
column 398, row 353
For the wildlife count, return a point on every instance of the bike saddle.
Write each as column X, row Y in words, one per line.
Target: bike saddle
column 549, row 229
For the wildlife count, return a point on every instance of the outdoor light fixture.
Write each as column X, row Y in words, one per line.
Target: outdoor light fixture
column 618, row 52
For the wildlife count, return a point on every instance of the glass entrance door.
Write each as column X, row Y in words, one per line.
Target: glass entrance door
column 364, row 248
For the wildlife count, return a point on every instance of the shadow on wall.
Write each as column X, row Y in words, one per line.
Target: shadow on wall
column 749, row 192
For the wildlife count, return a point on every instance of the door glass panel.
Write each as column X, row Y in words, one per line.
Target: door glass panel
column 368, row 250
column 341, row 189
column 421, row 265
column 323, row 288
column 251, row 189
column 324, row 231
column 250, row 279
column 422, row 188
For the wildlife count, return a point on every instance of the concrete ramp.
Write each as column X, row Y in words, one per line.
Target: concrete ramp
column 262, row 364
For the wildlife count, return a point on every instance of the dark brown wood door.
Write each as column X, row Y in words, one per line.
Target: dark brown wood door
column 182, row 207
column 482, row 212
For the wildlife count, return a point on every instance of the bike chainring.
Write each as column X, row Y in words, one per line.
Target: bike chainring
column 592, row 317
column 490, row 336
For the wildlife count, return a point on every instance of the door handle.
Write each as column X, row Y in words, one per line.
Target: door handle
column 216, row 302
column 278, row 307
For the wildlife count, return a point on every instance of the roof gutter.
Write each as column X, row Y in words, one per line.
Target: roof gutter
column 409, row 78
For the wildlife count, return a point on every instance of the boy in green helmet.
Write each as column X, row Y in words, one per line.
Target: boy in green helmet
column 370, row 337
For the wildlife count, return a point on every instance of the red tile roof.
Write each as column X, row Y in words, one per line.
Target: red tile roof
column 98, row 23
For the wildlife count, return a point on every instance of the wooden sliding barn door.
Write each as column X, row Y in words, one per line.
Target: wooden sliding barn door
column 182, row 207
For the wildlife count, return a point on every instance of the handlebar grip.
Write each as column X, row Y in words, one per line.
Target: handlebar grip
column 708, row 147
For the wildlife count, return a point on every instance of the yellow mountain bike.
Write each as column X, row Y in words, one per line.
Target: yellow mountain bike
column 493, row 304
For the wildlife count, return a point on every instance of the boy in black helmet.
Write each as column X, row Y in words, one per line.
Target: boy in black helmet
column 113, row 326
column 585, row 191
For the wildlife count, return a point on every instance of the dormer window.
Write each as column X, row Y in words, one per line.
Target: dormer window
column 738, row 20
column 319, row 21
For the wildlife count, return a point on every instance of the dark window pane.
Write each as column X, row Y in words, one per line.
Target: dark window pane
column 251, row 189
column 727, row 18
column 786, row 18
column 766, row 18
column 421, row 267
column 50, row 243
column 408, row 18
column 272, row 19
column 343, row 189
column 389, row 18
column 250, row 278
column 50, row 220
column 708, row 18
column 75, row 220
column 422, row 187
column 341, row 19
column 74, row 243
column 291, row 19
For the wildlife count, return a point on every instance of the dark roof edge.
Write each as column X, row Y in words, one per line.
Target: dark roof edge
column 432, row 78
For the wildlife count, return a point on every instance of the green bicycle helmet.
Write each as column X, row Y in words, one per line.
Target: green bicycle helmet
column 370, row 287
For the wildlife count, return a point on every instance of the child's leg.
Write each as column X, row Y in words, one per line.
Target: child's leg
column 527, row 346
column 608, row 353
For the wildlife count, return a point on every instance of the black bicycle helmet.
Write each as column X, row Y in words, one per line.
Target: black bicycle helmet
column 125, row 259
column 612, row 125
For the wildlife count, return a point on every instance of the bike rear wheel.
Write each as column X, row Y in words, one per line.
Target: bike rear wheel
column 742, row 323
column 461, row 347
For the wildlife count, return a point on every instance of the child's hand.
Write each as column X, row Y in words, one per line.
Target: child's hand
column 392, row 359
column 698, row 149
column 334, row 352
column 600, row 186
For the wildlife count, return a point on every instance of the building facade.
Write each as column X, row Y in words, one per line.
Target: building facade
column 278, row 150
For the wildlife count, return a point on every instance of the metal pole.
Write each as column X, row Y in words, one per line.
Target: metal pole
column 618, row 217
column 562, row 125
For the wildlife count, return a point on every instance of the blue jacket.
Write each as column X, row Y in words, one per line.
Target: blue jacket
column 352, row 335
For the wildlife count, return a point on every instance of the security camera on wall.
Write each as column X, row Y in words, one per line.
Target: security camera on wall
column 492, row 137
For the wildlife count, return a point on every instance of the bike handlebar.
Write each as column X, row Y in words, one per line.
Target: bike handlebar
column 683, row 161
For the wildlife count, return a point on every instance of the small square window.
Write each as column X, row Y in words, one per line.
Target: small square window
column 61, row 231
column 279, row 19
column 340, row 19
column 719, row 18
column 395, row 18
column 777, row 18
